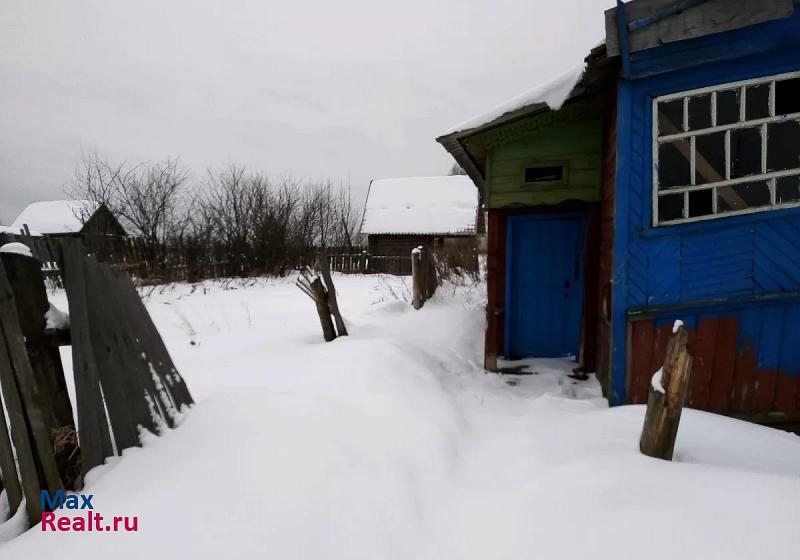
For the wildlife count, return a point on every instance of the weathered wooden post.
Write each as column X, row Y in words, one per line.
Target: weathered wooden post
column 313, row 288
column 417, row 278
column 333, row 303
column 668, row 390
column 43, row 327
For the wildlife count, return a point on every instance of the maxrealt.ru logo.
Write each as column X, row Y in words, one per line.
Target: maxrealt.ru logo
column 92, row 521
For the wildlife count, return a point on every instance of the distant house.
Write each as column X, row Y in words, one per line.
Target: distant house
column 67, row 218
column 658, row 180
column 403, row 213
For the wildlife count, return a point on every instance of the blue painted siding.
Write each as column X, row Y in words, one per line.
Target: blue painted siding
column 733, row 257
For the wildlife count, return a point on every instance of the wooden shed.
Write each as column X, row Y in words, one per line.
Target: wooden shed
column 538, row 162
column 67, row 218
column 664, row 180
column 403, row 213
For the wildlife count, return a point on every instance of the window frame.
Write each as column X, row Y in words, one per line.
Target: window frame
column 762, row 123
column 563, row 164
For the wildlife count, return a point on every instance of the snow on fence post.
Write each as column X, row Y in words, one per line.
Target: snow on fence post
column 666, row 397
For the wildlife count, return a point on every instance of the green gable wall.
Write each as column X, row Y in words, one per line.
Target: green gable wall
column 571, row 137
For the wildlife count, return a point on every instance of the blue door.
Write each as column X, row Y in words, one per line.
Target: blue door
column 544, row 285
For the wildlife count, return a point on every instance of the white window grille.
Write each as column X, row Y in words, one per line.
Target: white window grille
column 726, row 150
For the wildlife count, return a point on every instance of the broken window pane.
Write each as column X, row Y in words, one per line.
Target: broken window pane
column 727, row 107
column 783, row 145
column 700, row 112
column 700, row 203
column 757, row 101
column 673, row 164
column 709, row 158
column 745, row 152
column 787, row 96
column 787, row 189
column 670, row 117
column 744, row 195
column 670, row 207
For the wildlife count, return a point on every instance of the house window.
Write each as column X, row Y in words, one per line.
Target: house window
column 726, row 150
column 551, row 173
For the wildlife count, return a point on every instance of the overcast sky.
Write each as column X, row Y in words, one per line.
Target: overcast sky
column 313, row 88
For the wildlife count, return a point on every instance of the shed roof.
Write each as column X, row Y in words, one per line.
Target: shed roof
column 589, row 77
column 55, row 216
column 444, row 205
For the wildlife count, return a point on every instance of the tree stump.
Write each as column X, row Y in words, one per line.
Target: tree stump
column 667, row 395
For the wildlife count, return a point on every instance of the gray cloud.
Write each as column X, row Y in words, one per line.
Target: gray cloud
column 312, row 88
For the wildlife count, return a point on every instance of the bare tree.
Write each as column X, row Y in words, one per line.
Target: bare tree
column 150, row 199
column 456, row 169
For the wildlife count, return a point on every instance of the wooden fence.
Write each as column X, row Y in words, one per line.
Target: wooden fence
column 364, row 263
column 159, row 265
column 125, row 380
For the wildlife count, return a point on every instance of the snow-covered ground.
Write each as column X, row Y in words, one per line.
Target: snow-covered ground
column 392, row 443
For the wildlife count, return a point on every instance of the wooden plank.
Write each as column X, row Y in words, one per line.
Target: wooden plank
column 8, row 465
column 93, row 428
column 333, row 303
column 103, row 315
column 153, row 343
column 722, row 369
column 34, row 395
column 746, row 364
column 152, row 408
column 769, row 357
column 706, row 18
column 27, row 284
column 642, row 341
column 13, row 401
column 703, row 348
column 661, row 336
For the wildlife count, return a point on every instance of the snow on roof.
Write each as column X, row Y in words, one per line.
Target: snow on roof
column 55, row 216
column 553, row 93
column 443, row 205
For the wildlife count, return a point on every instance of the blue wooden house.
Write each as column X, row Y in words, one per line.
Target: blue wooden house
column 696, row 212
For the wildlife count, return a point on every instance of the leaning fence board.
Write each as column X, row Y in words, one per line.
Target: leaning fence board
column 143, row 350
column 133, row 375
column 30, row 297
column 156, row 351
column 110, row 367
column 8, row 466
column 93, row 432
column 9, row 332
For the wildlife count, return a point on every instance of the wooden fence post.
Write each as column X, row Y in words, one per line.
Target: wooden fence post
column 417, row 278
column 333, row 303
column 668, row 390
column 25, row 278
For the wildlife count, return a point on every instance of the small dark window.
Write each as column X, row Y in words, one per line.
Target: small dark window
column 745, row 152
column 727, row 106
column 783, row 145
column 787, row 189
column 700, row 203
column 544, row 174
column 673, row 164
column 670, row 117
column 744, row 195
column 787, row 96
column 700, row 112
column 757, row 102
column 670, row 207
column 709, row 158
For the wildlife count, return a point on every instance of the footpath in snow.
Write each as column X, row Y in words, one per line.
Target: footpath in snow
column 393, row 443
